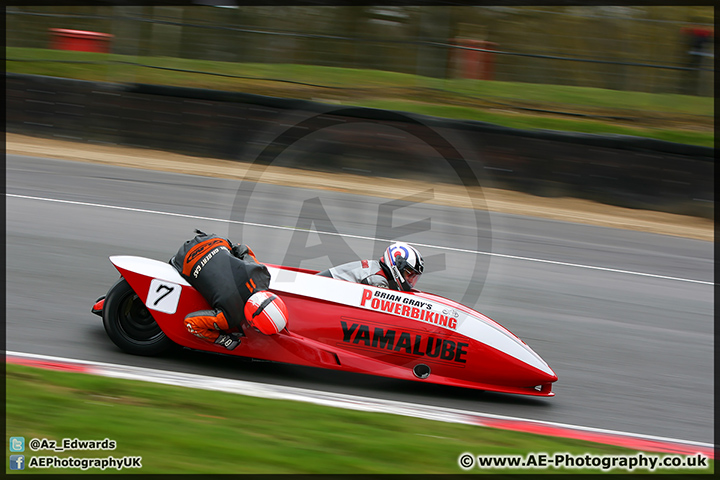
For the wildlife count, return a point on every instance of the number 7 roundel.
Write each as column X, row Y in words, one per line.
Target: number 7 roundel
column 163, row 296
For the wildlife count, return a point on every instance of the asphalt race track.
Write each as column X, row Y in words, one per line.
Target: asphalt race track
column 631, row 342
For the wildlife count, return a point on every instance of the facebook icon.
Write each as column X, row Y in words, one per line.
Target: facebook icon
column 17, row 462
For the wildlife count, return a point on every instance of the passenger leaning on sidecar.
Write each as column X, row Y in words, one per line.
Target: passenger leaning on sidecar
column 399, row 268
column 234, row 284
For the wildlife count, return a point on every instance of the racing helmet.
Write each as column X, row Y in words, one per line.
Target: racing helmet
column 266, row 312
column 405, row 264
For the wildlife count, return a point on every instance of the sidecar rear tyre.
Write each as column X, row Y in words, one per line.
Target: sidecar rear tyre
column 130, row 325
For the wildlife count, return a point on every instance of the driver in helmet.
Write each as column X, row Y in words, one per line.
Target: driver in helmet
column 399, row 268
column 235, row 285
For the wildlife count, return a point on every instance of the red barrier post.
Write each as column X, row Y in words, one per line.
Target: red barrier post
column 473, row 63
column 79, row 40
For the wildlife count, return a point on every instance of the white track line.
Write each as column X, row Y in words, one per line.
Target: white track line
column 279, row 227
column 331, row 399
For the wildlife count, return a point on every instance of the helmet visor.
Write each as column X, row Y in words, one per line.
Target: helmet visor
column 411, row 276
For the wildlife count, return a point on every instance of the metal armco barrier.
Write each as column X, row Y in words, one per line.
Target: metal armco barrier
column 619, row 170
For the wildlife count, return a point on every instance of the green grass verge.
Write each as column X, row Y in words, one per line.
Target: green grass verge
column 670, row 117
column 180, row 430
column 535, row 123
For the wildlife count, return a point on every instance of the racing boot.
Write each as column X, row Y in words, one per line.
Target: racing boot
column 208, row 324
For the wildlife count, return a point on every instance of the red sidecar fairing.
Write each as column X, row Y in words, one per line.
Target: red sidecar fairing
column 358, row 328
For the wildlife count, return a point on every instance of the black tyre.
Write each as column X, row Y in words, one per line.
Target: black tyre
column 129, row 323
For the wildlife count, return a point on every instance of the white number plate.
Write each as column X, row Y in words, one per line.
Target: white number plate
column 163, row 296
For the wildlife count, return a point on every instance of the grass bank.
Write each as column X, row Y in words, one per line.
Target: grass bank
column 671, row 117
column 180, row 430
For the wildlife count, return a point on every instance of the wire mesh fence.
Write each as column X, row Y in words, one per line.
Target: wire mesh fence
column 647, row 49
